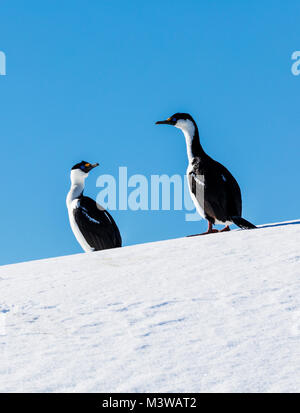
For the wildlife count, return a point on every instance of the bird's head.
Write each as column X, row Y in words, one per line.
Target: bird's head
column 81, row 170
column 182, row 121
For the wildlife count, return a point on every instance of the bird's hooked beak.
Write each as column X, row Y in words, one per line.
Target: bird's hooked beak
column 165, row 122
column 90, row 166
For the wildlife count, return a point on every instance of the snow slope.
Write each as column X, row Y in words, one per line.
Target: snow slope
column 204, row 314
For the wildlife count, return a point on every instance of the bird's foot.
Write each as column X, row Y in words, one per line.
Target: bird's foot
column 225, row 229
column 204, row 233
column 210, row 231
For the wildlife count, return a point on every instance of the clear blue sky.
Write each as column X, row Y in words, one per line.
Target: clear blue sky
column 87, row 80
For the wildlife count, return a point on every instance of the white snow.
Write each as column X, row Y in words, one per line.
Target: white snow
column 219, row 313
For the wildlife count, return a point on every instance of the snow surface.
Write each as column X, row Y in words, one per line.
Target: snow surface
column 219, row 313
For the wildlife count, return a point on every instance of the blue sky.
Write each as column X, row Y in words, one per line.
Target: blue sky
column 87, row 80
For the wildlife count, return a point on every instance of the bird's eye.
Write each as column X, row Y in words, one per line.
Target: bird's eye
column 82, row 167
column 174, row 120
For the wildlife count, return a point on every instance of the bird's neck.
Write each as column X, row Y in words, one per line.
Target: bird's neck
column 193, row 146
column 77, row 186
column 75, row 192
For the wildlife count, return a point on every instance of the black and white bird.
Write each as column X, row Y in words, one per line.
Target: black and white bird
column 93, row 227
column 215, row 192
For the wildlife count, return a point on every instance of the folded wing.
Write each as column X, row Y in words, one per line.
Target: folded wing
column 96, row 225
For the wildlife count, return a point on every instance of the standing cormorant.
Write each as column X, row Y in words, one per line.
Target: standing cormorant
column 214, row 191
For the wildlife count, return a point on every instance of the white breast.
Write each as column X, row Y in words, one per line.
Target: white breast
column 78, row 235
column 199, row 203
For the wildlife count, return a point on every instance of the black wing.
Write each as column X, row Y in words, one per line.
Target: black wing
column 222, row 195
column 233, row 193
column 96, row 225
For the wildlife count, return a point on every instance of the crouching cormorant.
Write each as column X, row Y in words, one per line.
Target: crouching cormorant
column 93, row 227
column 214, row 191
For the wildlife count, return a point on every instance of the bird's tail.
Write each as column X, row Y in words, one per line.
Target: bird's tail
column 242, row 223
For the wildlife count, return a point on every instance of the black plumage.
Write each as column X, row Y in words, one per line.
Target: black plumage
column 96, row 225
column 217, row 191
